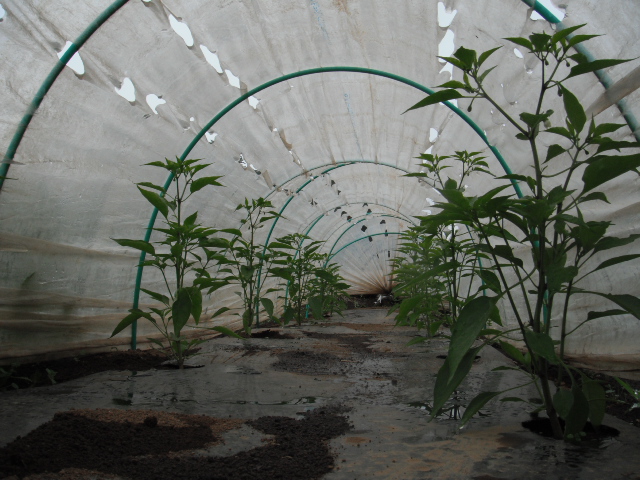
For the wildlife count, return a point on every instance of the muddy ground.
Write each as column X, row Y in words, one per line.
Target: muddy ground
column 346, row 399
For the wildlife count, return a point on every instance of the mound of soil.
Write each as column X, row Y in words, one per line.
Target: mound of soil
column 306, row 362
column 150, row 445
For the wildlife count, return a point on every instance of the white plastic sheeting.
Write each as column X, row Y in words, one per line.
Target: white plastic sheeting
column 159, row 70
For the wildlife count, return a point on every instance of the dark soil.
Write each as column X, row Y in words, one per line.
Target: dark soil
column 65, row 369
column 542, row 426
column 368, row 301
column 308, row 363
column 273, row 334
column 146, row 450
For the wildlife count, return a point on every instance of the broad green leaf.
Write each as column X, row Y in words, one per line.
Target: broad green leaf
column 594, row 196
column 126, row 321
column 447, row 380
column 220, row 311
column 151, row 185
column 200, row 183
column 629, row 303
column 232, row 231
column 563, row 132
column 602, row 168
column 226, row 331
column 490, row 279
column 553, row 151
column 576, row 39
column 453, row 84
column 578, row 414
column 605, row 313
column 181, row 310
column 416, row 340
column 563, row 401
column 247, row 320
column 484, row 55
column 542, row 345
column 156, row 296
column 583, row 68
column 157, row 201
column 523, row 42
column 607, row 243
column 435, row 98
column 466, row 56
column 615, row 261
column 476, row 404
column 595, row 395
column 137, row 244
column 560, row 34
column 268, row 306
column 513, row 352
column 470, row 322
column 574, row 109
column 540, row 41
column 196, row 303
column 316, row 305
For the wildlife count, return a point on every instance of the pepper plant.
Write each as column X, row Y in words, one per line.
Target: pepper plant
column 183, row 257
column 248, row 262
column 549, row 224
column 327, row 290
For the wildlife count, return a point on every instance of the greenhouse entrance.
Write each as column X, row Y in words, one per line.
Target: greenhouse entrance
column 346, row 398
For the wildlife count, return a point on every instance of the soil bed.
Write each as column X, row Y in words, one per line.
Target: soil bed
column 144, row 444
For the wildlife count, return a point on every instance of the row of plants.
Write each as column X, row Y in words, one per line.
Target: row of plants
column 531, row 256
column 195, row 261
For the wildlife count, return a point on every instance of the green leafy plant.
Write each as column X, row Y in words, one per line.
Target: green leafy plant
column 248, row 262
column 327, row 290
column 549, row 224
column 183, row 258
column 298, row 265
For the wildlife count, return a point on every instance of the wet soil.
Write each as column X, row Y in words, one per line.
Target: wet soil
column 143, row 447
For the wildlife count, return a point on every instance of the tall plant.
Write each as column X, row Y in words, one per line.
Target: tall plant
column 183, row 256
column 299, row 265
column 550, row 223
column 248, row 262
column 327, row 289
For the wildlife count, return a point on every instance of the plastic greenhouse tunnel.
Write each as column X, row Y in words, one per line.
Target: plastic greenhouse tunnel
column 315, row 239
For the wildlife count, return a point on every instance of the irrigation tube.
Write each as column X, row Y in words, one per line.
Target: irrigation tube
column 364, row 238
column 48, row 82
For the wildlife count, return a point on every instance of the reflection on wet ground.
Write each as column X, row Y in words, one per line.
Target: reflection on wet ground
column 363, row 362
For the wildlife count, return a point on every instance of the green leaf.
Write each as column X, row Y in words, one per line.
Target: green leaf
column 416, row 340
column 560, row 34
column 151, row 185
column 563, row 132
column 126, row 321
column 196, row 303
column 232, row 231
column 447, row 380
column 181, row 310
column 137, row 244
column 594, row 196
column 542, row 345
column 226, row 331
column 574, row 109
column 576, row 39
column 220, row 311
column 470, row 322
column 583, row 68
column 200, row 183
column 484, row 55
column 553, row 151
column 437, row 97
column 316, row 305
column 605, row 313
column 523, row 42
column 629, row 303
column 607, row 243
column 476, row 404
column 268, row 306
column 156, row 296
column 513, row 352
column 595, row 395
column 615, row 261
column 602, row 168
column 578, row 415
column 466, row 56
column 562, row 402
column 453, row 84
column 157, row 201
